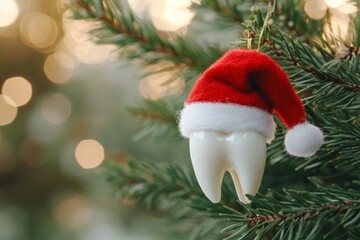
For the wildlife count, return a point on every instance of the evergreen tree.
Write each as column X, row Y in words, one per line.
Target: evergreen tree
column 313, row 198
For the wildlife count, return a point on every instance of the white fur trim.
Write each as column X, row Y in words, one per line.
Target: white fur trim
column 303, row 140
column 225, row 117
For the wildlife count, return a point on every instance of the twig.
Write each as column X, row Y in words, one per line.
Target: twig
column 256, row 219
column 154, row 116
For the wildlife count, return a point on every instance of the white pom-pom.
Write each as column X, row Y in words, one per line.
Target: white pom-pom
column 303, row 140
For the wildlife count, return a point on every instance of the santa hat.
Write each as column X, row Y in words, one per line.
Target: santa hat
column 240, row 92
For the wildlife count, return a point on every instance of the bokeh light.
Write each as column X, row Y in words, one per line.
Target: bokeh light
column 166, row 15
column 56, row 108
column 18, row 89
column 61, row 5
column 347, row 8
column 334, row 3
column 338, row 26
column 89, row 153
column 77, row 41
column 39, row 30
column 65, row 60
column 9, row 11
column 8, row 111
column 77, row 29
column 315, row 9
column 59, row 67
column 171, row 15
column 139, row 7
column 339, row 15
column 64, row 52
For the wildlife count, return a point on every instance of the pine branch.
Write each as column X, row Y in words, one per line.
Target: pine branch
column 168, row 190
column 298, row 215
column 150, row 184
column 337, row 161
column 307, row 59
column 158, row 118
column 123, row 28
column 152, row 115
column 155, row 185
column 166, row 187
column 162, row 187
column 157, row 111
column 128, row 28
column 254, row 219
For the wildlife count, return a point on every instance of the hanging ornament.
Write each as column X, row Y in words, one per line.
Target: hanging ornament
column 228, row 120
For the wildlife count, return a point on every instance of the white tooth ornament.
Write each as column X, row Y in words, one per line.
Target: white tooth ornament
column 242, row 154
column 228, row 120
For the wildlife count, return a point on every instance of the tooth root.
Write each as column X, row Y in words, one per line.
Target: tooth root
column 238, row 187
column 247, row 156
column 209, row 162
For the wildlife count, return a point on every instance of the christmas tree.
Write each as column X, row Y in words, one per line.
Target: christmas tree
column 300, row 198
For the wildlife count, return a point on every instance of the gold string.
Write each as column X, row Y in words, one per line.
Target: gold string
column 270, row 11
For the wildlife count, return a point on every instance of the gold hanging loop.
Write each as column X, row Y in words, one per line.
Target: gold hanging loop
column 270, row 11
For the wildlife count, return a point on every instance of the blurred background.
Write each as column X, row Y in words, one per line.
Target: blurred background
column 63, row 103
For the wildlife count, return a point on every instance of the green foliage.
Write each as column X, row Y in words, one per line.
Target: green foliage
column 168, row 191
column 295, row 214
column 291, row 214
column 140, row 39
column 159, row 119
column 330, row 92
column 325, row 78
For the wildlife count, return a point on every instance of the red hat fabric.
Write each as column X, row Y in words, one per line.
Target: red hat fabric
column 239, row 92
